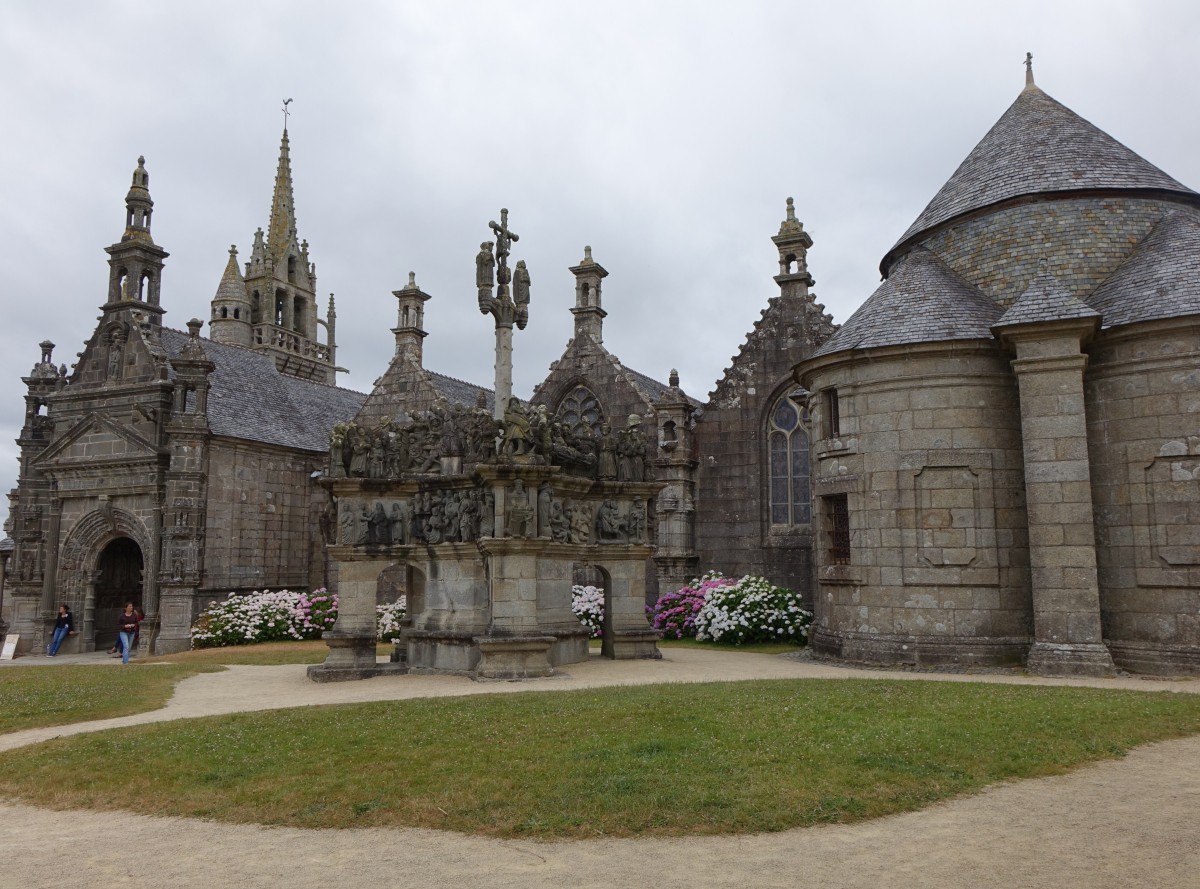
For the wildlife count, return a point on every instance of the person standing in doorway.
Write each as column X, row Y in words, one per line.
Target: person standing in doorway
column 64, row 626
column 127, row 626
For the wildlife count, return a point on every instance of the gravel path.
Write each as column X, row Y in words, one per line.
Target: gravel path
column 1115, row 824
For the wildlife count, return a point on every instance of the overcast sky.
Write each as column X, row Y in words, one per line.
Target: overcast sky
column 665, row 135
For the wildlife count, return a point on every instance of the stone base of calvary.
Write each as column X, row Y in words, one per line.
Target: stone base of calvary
column 488, row 517
column 498, row 605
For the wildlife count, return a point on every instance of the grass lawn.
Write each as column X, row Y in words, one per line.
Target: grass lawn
column 50, row 694
column 666, row 760
column 35, row 697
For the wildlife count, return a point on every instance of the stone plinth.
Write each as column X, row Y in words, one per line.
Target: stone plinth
column 513, row 657
column 351, row 656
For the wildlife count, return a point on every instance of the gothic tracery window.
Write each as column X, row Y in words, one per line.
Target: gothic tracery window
column 581, row 409
column 788, row 459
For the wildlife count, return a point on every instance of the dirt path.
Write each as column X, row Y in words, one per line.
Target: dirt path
column 1117, row 824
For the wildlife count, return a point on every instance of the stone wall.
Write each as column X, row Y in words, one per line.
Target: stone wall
column 929, row 458
column 734, row 533
column 1143, row 402
column 259, row 533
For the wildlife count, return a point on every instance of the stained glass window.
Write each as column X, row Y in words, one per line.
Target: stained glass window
column 581, row 409
column 788, row 461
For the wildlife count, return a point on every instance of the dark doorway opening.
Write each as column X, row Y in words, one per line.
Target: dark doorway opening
column 120, row 580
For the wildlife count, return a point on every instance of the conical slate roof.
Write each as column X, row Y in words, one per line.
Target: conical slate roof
column 1038, row 146
column 1045, row 299
column 232, row 286
column 922, row 301
column 1160, row 279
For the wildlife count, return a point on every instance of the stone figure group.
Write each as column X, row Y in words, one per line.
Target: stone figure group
column 440, row 441
column 432, row 517
column 452, row 440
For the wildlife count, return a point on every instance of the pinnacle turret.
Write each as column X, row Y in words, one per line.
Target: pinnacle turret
column 138, row 206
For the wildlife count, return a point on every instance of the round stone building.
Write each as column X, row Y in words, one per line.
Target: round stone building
column 1007, row 432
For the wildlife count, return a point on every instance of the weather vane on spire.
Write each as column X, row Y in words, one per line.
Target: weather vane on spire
column 286, row 102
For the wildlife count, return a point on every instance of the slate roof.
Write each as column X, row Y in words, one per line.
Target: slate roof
column 1045, row 300
column 460, row 391
column 923, row 300
column 1037, row 146
column 250, row 399
column 1159, row 279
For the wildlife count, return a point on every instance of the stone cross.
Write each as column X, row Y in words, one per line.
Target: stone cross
column 502, row 306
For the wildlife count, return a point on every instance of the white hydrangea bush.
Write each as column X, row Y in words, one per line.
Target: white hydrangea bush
column 587, row 603
column 752, row 610
column 387, row 620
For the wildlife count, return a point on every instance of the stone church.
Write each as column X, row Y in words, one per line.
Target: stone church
column 995, row 460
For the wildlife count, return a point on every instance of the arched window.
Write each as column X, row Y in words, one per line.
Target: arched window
column 788, row 458
column 580, row 409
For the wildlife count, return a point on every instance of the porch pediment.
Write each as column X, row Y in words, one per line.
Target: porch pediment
column 97, row 439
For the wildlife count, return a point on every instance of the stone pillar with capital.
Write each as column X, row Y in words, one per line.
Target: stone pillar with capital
column 1047, row 327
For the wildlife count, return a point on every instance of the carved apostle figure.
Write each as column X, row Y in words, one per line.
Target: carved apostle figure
column 635, row 525
column 521, row 293
column 520, row 513
column 485, row 270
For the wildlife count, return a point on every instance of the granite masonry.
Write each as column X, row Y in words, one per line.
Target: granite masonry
column 995, row 460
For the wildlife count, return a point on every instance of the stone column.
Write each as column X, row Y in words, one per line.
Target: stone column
column 1058, row 493
column 49, row 579
column 352, row 640
column 503, row 369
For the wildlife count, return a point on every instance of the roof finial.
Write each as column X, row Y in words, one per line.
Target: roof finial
column 1029, row 69
column 286, row 102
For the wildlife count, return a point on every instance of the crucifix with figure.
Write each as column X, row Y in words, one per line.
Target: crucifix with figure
column 508, row 305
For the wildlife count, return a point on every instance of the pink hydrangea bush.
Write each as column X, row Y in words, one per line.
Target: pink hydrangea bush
column 674, row 614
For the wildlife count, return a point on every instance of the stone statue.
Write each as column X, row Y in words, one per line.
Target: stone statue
column 516, row 429
column 450, row 518
column 635, row 524
column 521, row 294
column 435, row 525
column 378, row 525
column 609, row 528
column 485, row 272
column 351, row 530
column 360, row 448
column 520, row 513
column 487, row 515
column 607, row 470
column 116, row 351
column 560, row 524
column 581, row 523
column 468, row 517
column 399, row 522
column 543, row 510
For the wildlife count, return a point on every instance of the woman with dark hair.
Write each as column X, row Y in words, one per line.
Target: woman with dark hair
column 64, row 626
column 127, row 627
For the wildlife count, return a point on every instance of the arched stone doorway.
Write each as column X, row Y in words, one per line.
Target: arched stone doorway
column 118, row 575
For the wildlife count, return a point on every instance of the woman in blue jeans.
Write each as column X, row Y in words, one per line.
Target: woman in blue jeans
column 64, row 625
column 127, row 625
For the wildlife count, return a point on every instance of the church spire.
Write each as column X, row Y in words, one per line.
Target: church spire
column 282, row 228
